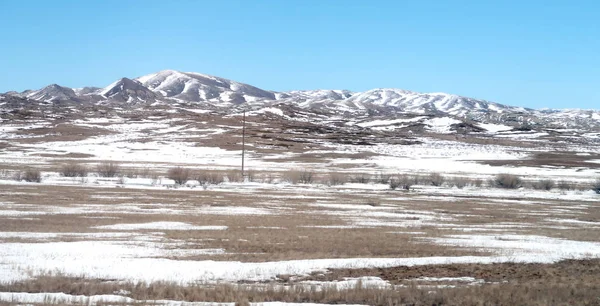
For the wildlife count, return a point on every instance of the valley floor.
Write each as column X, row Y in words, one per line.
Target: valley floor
column 342, row 236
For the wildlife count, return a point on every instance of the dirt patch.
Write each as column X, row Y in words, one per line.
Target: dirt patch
column 500, row 272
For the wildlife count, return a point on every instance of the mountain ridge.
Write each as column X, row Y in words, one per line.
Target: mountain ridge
column 172, row 87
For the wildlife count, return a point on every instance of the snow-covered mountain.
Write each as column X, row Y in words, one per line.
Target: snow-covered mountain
column 196, row 87
column 127, row 90
column 51, row 93
column 169, row 87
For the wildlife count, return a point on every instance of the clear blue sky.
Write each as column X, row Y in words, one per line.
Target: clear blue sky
column 528, row 52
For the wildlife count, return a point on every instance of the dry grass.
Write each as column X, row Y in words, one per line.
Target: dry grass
column 297, row 176
column 563, row 283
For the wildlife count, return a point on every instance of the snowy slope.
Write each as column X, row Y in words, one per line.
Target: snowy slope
column 127, row 90
column 169, row 86
column 197, row 87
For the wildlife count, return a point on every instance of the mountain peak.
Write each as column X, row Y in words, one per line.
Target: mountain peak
column 197, row 87
column 127, row 90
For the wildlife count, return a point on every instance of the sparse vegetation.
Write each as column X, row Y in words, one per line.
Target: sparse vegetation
column 565, row 185
column 403, row 181
column 334, row 179
column 573, row 286
column 250, row 175
column 508, row 181
column 383, row 178
column 596, row 186
column 304, row 176
column 436, row 179
column 73, row 170
column 108, row 169
column 460, row 182
column 543, row 185
column 235, row 176
column 209, row 178
column 360, row 179
column 32, row 176
column 179, row 174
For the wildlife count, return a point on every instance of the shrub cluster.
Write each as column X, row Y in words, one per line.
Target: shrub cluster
column 73, row 170
column 508, row 181
column 108, row 169
column 179, row 174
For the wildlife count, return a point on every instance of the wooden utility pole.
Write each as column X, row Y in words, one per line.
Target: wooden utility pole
column 243, row 141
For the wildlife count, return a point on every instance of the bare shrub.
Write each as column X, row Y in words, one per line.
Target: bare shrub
column 565, row 185
column 543, row 185
column 210, row 177
column 235, row 176
column 383, row 178
column 596, row 186
column 73, row 170
column 373, row 203
column 460, row 182
column 360, row 179
column 179, row 174
column 402, row 181
column 5, row 174
column 419, row 179
column 32, row 175
column 394, row 183
column 17, row 176
column 306, row 177
column 406, row 181
column 508, row 181
column 334, row 179
column 299, row 176
column 108, row 169
column 478, row 182
column 250, row 175
column 268, row 178
column 436, row 179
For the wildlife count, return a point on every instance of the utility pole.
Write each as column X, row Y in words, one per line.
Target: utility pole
column 243, row 142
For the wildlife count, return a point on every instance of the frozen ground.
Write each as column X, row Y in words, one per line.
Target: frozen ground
column 147, row 229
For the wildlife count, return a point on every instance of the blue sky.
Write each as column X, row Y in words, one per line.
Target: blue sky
column 527, row 53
